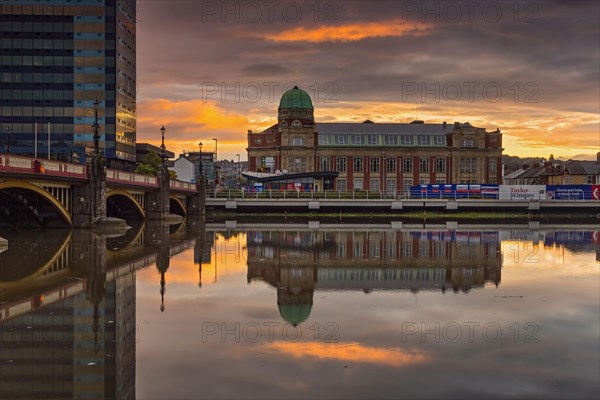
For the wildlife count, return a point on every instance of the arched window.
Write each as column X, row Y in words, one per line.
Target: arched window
column 283, row 123
column 296, row 124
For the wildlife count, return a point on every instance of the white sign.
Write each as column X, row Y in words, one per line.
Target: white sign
column 522, row 192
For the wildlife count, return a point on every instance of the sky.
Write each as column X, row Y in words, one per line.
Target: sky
column 213, row 69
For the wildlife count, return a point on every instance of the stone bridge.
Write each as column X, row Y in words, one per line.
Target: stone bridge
column 54, row 193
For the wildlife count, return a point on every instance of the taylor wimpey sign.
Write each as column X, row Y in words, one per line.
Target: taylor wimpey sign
column 522, row 192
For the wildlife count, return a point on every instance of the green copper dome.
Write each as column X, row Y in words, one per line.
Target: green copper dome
column 295, row 98
column 295, row 313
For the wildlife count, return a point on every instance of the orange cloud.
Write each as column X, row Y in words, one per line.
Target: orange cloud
column 352, row 351
column 188, row 122
column 350, row 32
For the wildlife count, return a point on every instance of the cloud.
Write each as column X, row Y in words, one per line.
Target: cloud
column 350, row 32
column 266, row 69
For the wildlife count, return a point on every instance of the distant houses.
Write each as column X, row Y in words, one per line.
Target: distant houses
column 555, row 172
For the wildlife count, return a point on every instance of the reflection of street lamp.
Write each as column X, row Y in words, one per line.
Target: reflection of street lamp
column 95, row 128
column 8, row 140
column 162, row 146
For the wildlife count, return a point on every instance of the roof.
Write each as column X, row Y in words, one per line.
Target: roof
column 295, row 313
column 295, row 98
column 354, row 127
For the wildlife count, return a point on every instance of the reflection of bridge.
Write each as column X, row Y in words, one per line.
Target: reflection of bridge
column 66, row 260
column 53, row 192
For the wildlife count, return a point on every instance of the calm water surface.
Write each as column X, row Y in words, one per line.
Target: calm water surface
column 208, row 312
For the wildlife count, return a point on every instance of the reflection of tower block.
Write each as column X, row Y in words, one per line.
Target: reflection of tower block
column 295, row 293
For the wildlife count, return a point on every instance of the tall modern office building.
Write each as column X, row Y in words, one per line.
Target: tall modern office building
column 57, row 58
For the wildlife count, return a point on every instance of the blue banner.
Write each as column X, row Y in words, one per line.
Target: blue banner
column 569, row 192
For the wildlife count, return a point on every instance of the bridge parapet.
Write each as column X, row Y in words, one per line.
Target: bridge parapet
column 183, row 186
column 131, row 178
column 29, row 165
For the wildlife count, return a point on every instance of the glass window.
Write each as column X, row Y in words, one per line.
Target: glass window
column 468, row 164
column 390, row 140
column 341, row 185
column 298, row 141
column 358, row 184
column 358, row 164
column 341, row 164
column 493, row 166
column 324, row 164
column 407, row 140
column 440, row 165
column 390, row 164
column 374, row 184
column 424, row 164
column 439, row 140
column 423, row 140
column 390, row 186
column 468, row 143
column 374, row 164
column 373, row 139
column 407, row 164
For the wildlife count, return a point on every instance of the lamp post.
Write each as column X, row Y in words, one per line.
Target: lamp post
column 239, row 169
column 215, row 149
column 8, row 140
column 96, row 129
column 200, row 175
column 162, row 146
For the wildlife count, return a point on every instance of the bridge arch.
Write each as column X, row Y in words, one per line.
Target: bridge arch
column 119, row 192
column 179, row 206
column 62, row 210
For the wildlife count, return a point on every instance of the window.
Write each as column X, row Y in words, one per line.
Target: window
column 406, row 184
column 358, row 184
column 440, row 181
column 423, row 181
column 468, row 165
column 390, row 164
column 298, row 141
column 297, row 164
column 373, row 139
column 390, row 186
column 407, row 140
column 358, row 164
column 324, row 164
column 374, row 164
column 374, row 185
column 341, row 139
column 423, row 140
column 296, row 124
column 341, row 164
column 439, row 140
column 590, row 179
column 492, row 166
column 407, row 164
column 424, row 164
column 440, row 165
column 341, row 185
column 390, row 140
column 468, row 142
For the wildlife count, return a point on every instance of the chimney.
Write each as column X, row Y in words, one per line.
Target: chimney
column 548, row 166
column 444, row 127
column 457, row 125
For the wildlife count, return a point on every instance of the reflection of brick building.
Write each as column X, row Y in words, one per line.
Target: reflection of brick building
column 299, row 262
column 374, row 156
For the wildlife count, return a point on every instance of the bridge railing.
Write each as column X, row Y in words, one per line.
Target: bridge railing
column 183, row 186
column 29, row 165
column 294, row 194
column 131, row 178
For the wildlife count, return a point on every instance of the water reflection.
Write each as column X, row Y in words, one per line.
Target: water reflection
column 68, row 308
column 89, row 315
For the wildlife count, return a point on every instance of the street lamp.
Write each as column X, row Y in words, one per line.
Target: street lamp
column 8, row 139
column 239, row 169
column 162, row 146
column 96, row 128
column 200, row 160
column 215, row 149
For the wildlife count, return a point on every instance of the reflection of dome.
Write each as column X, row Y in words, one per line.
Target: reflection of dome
column 295, row 313
column 295, row 98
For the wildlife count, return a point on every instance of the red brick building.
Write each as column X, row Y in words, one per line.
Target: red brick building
column 373, row 156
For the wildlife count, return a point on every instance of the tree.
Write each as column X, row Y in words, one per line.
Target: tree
column 150, row 165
